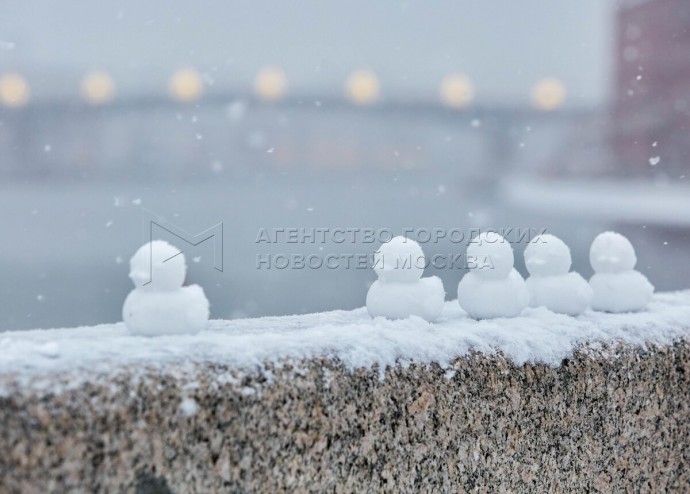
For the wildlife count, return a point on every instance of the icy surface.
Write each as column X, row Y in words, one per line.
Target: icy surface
column 619, row 201
column 351, row 336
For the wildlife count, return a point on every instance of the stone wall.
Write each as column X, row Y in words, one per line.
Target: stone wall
column 607, row 420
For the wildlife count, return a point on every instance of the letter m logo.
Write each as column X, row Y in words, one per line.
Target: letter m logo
column 151, row 222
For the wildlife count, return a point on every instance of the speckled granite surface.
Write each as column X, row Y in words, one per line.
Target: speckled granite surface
column 610, row 420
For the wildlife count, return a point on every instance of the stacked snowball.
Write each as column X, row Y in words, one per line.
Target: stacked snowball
column 159, row 304
column 550, row 283
column 492, row 288
column 400, row 290
column 617, row 286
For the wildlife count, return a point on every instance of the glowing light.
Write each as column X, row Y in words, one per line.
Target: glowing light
column 97, row 87
column 186, row 85
column 270, row 84
column 456, row 91
column 14, row 90
column 548, row 94
column 362, row 87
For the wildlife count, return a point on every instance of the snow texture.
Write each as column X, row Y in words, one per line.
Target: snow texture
column 611, row 252
column 401, row 259
column 397, row 299
column 565, row 293
column 547, row 255
column 538, row 335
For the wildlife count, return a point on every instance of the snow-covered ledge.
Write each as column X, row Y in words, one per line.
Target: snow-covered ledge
column 336, row 401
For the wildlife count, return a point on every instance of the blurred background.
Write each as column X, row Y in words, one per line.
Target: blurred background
column 569, row 116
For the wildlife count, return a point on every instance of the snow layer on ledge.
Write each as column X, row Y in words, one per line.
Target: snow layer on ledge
column 352, row 336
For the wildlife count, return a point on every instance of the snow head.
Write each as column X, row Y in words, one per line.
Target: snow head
column 490, row 256
column 167, row 272
column 547, row 255
column 401, row 259
column 612, row 253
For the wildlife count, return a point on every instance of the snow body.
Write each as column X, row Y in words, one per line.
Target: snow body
column 159, row 304
column 398, row 300
column 616, row 285
column 492, row 288
column 550, row 284
column 400, row 291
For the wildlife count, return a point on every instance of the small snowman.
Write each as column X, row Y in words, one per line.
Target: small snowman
column 400, row 290
column 159, row 304
column 550, row 284
column 492, row 288
column 616, row 285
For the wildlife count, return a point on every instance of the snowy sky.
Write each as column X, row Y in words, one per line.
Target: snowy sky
column 503, row 45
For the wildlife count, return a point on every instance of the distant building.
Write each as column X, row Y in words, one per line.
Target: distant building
column 651, row 113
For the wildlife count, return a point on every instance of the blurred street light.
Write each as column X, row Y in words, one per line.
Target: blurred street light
column 14, row 90
column 548, row 94
column 186, row 85
column 270, row 84
column 97, row 87
column 362, row 87
column 456, row 91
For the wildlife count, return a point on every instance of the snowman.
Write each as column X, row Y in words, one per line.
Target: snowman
column 492, row 288
column 550, row 284
column 159, row 304
column 616, row 285
column 400, row 290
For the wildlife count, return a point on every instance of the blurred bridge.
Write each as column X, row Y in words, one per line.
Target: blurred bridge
column 237, row 135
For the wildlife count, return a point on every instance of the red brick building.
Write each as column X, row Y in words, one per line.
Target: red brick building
column 652, row 86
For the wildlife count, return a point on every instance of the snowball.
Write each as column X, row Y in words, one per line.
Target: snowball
column 547, row 255
column 189, row 407
column 401, row 259
column 564, row 294
column 485, row 298
column 399, row 300
column 612, row 253
column 490, row 256
column 629, row 291
column 167, row 272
